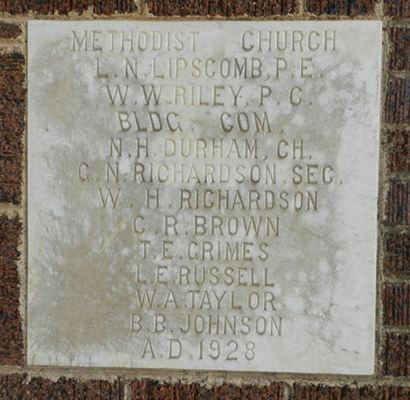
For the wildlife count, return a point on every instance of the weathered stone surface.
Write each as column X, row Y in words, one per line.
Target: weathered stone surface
column 11, row 337
column 196, row 202
column 397, row 254
column 222, row 7
column 9, row 30
column 396, row 356
column 45, row 7
column 12, row 110
column 399, row 52
column 340, row 7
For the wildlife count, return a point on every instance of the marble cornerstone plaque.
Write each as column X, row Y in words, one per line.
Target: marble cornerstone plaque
column 203, row 195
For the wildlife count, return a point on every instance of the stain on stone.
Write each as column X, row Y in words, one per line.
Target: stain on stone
column 226, row 8
column 340, row 7
column 11, row 337
column 12, row 111
column 74, row 242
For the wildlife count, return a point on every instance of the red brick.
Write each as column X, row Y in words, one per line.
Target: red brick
column 398, row 203
column 397, row 107
column 44, row 7
column 396, row 357
column 9, row 30
column 11, row 337
column 397, row 254
column 12, row 111
column 270, row 392
column 346, row 392
column 151, row 390
column 340, row 7
column 397, row 148
column 397, row 8
column 393, row 393
column 396, row 304
column 326, row 392
column 400, row 48
column 22, row 387
column 228, row 8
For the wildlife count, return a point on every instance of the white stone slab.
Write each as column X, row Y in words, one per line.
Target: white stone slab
column 261, row 149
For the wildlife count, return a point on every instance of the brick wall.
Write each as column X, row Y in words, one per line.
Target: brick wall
column 392, row 377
